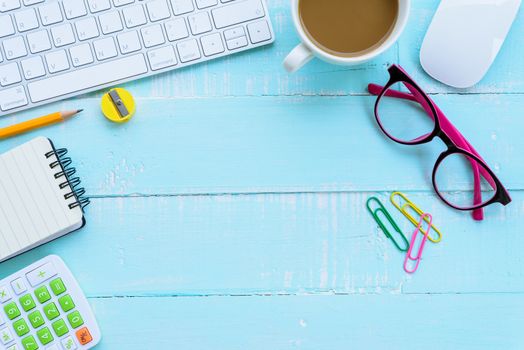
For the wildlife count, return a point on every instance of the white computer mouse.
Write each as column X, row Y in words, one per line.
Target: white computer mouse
column 464, row 39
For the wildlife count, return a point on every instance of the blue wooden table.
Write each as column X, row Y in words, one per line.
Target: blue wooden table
column 229, row 213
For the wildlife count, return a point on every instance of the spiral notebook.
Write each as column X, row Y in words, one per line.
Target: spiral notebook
column 40, row 198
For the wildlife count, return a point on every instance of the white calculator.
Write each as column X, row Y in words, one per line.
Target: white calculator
column 43, row 307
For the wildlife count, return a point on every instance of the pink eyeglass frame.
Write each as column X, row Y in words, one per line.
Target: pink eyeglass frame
column 446, row 131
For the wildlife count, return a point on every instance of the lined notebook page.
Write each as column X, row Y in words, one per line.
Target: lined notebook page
column 33, row 209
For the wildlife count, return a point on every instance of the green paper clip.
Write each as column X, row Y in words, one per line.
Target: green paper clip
column 382, row 209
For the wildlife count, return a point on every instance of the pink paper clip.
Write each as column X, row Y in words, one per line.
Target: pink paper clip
column 426, row 218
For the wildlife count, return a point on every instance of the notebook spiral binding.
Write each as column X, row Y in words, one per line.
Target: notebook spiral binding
column 67, row 172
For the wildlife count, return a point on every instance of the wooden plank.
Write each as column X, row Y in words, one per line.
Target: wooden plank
column 491, row 321
column 256, row 244
column 273, row 144
column 260, row 72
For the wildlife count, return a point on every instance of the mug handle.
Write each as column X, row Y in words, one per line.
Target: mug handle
column 298, row 57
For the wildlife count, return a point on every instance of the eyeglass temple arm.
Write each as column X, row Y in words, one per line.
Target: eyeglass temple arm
column 456, row 136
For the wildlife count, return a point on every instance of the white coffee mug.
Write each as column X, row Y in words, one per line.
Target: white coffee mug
column 306, row 50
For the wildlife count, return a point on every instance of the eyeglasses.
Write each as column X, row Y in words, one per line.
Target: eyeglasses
column 460, row 177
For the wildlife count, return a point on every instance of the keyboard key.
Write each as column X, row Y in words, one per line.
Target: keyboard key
column 62, row 35
column 50, row 13
column 152, row 36
column 14, row 347
column 21, row 328
column 84, row 336
column 66, row 303
column 75, row 320
column 236, row 43
column 199, row 23
column 182, row 6
column 158, row 10
column 259, row 32
column 68, row 343
column 14, row 48
column 74, row 8
column 32, row 2
column 162, row 58
column 234, row 33
column 9, row 5
column 38, row 41
column 57, row 61
column 57, row 286
column 129, row 42
column 42, row 294
column 27, row 302
column 212, row 44
column 26, row 20
column 81, row 55
column 6, row 336
column 86, row 29
column 6, row 26
column 9, row 74
column 110, row 22
column 45, row 336
column 118, row 3
column 51, row 311
column 11, row 310
column 202, row 4
column 134, row 16
column 36, row 319
column 176, row 29
column 33, row 67
column 98, row 5
column 60, row 327
column 5, row 295
column 104, row 49
column 188, row 50
column 237, row 12
column 18, row 286
column 12, row 98
column 29, row 343
column 85, row 78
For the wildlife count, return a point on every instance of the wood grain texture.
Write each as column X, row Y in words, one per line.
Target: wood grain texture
column 229, row 213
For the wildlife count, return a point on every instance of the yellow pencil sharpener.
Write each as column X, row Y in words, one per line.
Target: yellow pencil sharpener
column 118, row 105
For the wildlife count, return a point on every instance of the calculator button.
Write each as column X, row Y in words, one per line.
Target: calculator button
column 36, row 319
column 51, row 311
column 6, row 336
column 68, row 343
column 4, row 294
column 57, row 286
column 21, row 327
column 66, row 302
column 83, row 336
column 60, row 327
column 41, row 274
column 13, row 347
column 27, row 302
column 12, row 311
column 75, row 320
column 29, row 343
column 42, row 294
column 18, row 286
column 53, row 347
column 45, row 336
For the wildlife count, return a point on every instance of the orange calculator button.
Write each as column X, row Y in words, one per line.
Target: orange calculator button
column 84, row 336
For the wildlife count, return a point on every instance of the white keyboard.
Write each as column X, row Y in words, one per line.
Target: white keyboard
column 51, row 50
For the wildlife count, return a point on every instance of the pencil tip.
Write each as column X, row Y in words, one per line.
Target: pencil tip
column 79, row 110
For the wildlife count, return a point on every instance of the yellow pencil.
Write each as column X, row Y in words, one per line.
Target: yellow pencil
column 32, row 124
